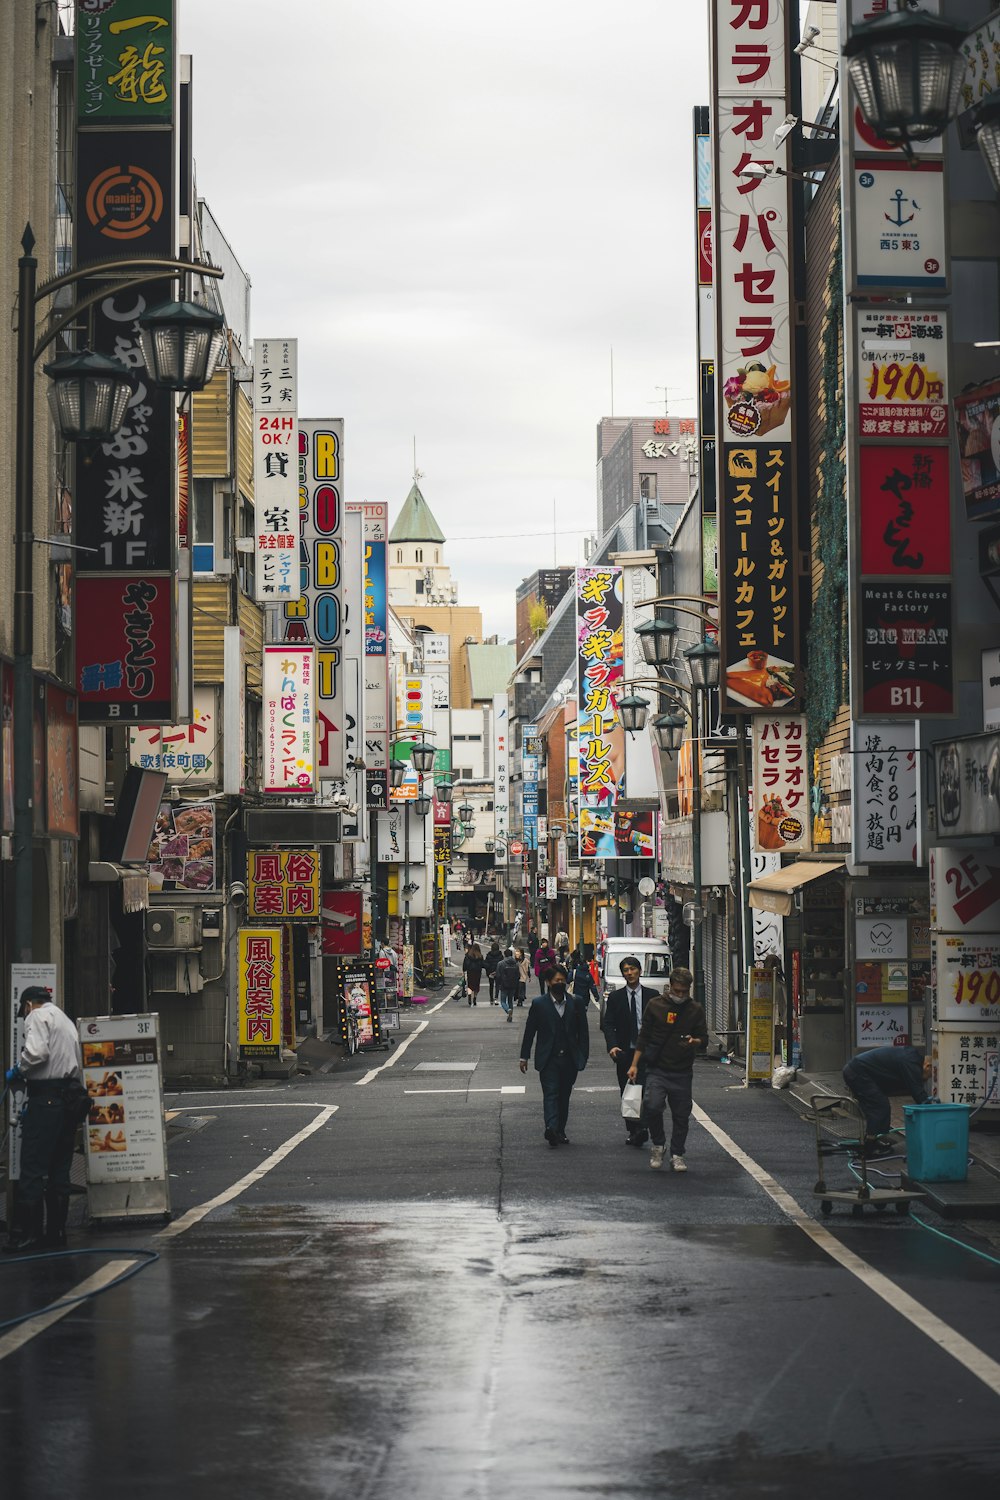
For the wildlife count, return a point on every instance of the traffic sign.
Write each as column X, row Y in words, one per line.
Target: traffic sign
column 516, row 848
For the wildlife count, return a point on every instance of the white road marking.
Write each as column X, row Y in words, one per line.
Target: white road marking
column 507, row 1089
column 18, row 1337
column 445, row 1067
column 940, row 1333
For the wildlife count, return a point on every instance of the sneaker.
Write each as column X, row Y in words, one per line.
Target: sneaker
column 678, row 1163
column 656, row 1156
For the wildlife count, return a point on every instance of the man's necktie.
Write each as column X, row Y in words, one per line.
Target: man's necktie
column 635, row 1018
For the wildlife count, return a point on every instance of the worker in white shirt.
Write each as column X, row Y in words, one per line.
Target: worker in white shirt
column 50, row 1063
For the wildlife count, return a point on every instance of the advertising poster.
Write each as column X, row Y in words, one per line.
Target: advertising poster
column 884, row 803
column 125, row 649
column 756, row 587
column 277, row 571
column 902, row 365
column 782, row 820
column 965, row 890
column 968, row 781
column 289, row 719
column 968, row 1065
column 899, row 225
column 342, row 921
column 530, row 763
column 259, row 967
column 356, row 991
column 189, row 753
column 124, row 1133
column 283, row 884
column 977, row 420
column 906, row 648
column 182, row 852
column 905, row 511
column 125, row 194
column 967, row 974
column 638, row 586
column 760, row 1024
column 316, row 615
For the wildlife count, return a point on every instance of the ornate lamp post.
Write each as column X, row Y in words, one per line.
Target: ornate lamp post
column 907, row 69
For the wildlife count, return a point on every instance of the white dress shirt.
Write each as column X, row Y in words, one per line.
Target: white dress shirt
column 51, row 1046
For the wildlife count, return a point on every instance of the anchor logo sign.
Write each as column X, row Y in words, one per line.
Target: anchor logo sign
column 899, row 198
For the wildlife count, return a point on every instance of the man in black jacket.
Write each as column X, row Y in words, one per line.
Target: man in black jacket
column 493, row 958
column 673, row 1029
column 557, row 1024
column 623, row 1013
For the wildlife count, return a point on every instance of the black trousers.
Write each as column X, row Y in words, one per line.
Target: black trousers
column 46, row 1145
column 557, row 1079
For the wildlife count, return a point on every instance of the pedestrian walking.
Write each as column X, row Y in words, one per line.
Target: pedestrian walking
column 673, row 1029
column 51, row 1067
column 557, row 1026
column 524, row 968
column 874, row 1076
column 623, row 1013
column 582, row 981
column 472, row 967
column 562, row 945
column 507, row 980
column 491, row 961
column 543, row 960
column 533, row 940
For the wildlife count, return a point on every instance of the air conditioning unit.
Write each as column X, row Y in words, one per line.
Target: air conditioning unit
column 174, row 974
column 173, row 927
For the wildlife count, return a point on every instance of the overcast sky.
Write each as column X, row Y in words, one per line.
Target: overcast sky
column 458, row 209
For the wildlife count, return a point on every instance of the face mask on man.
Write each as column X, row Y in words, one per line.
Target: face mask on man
column 557, row 988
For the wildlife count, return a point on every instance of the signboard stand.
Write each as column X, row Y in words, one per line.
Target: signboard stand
column 125, row 1134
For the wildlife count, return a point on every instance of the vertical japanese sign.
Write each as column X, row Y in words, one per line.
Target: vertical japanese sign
column 782, row 820
column 275, row 470
column 501, row 772
column 753, row 293
column 706, row 314
column 885, row 795
column 259, row 989
column 531, row 747
column 283, row 883
column 601, row 740
column 902, row 367
column 352, row 567
column 638, row 585
column 316, row 614
column 289, row 719
column 376, row 660
column 125, row 649
column 413, row 704
column 124, row 61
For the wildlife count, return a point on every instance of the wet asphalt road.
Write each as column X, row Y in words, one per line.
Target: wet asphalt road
column 423, row 1299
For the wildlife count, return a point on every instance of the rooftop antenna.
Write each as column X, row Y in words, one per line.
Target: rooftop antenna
column 417, row 475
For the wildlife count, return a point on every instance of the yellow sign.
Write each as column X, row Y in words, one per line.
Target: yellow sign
column 760, row 1024
column 283, row 883
column 259, row 970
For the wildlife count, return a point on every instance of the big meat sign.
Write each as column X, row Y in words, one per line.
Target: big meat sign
column 754, row 375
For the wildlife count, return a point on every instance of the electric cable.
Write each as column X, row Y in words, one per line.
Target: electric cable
column 931, row 1227
column 17, row 1260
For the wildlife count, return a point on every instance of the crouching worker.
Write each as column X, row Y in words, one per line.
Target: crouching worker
column 874, row 1077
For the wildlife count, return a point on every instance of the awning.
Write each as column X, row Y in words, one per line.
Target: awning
column 135, row 883
column 776, row 892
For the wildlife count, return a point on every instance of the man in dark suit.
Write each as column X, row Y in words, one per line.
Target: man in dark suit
column 622, row 1018
column 557, row 1025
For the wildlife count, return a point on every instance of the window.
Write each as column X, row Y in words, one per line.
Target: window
column 203, row 527
column 647, row 486
column 419, row 585
column 437, row 554
column 419, row 554
column 399, row 554
column 247, row 563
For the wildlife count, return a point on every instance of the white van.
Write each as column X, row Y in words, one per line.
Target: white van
column 652, row 953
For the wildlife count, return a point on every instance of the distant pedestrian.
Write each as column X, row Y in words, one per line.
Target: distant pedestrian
column 524, row 968
column 673, row 1029
column 533, row 940
column 582, row 981
column 557, row 1026
column 472, row 968
column 543, row 960
column 49, row 1064
column 874, row 1076
column 507, row 980
column 623, row 1013
column 490, row 963
column 562, row 945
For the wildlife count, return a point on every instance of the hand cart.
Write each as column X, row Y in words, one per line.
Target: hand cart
column 840, row 1131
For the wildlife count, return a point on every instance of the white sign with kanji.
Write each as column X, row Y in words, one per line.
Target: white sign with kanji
column 189, row 753
column 884, row 797
column 782, row 821
column 965, row 890
column 277, row 576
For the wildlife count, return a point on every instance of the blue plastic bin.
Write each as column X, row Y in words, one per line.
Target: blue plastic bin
column 937, row 1142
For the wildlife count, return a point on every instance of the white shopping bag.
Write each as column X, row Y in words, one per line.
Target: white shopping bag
column 632, row 1101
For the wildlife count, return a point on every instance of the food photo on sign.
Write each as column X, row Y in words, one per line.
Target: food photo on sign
column 182, row 852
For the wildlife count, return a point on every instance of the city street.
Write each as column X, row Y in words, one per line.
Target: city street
column 420, row 1295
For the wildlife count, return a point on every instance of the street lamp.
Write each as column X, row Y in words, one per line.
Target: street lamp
column 986, row 125
column 89, row 396
column 632, row 712
column 703, row 665
column 657, row 640
column 421, row 804
column 90, row 403
column 444, row 791
column 422, row 756
column 466, row 812
column 397, row 773
column 907, row 70
column 668, row 732
column 181, row 343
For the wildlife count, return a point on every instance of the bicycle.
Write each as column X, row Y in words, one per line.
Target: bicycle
column 353, row 1033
